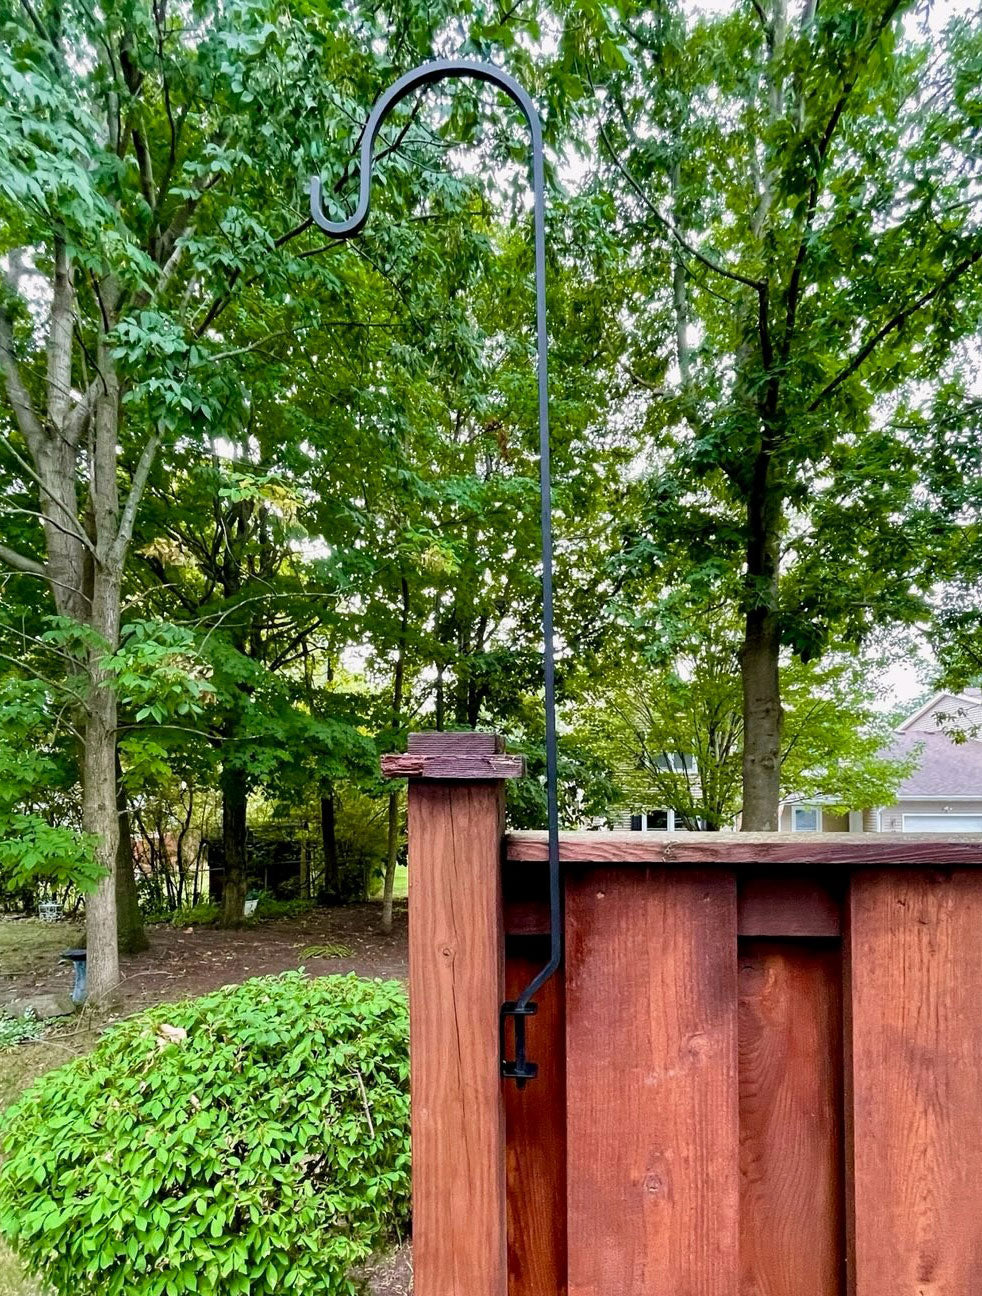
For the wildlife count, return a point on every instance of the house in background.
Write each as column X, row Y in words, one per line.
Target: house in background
column 942, row 795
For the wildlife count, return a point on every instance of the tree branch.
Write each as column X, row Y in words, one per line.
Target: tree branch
column 825, row 143
column 80, row 414
column 17, row 393
column 666, row 224
column 21, row 563
column 50, row 580
column 75, row 531
column 46, row 490
column 128, row 519
column 891, row 326
column 59, row 378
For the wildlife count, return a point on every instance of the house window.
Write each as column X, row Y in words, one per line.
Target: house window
column 676, row 762
column 806, row 819
column 653, row 821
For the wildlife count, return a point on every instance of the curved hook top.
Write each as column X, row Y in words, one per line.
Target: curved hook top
column 427, row 74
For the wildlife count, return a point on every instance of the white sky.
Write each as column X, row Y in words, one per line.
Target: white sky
column 936, row 12
column 906, row 680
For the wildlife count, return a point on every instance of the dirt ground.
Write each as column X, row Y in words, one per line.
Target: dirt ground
column 191, row 961
column 182, row 963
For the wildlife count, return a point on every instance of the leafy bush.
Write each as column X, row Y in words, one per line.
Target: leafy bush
column 252, row 1142
column 203, row 914
column 18, row 1030
column 268, row 907
column 361, row 833
column 38, row 769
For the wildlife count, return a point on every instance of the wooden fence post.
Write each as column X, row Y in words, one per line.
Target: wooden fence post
column 456, row 987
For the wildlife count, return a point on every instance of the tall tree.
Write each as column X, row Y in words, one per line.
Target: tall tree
column 800, row 185
column 152, row 163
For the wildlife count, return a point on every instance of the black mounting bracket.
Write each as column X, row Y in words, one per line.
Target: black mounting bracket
column 521, row 1069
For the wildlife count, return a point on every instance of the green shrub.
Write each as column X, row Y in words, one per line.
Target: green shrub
column 203, row 914
column 252, row 1142
column 268, row 907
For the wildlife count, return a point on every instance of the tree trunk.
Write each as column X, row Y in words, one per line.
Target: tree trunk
column 391, row 859
column 329, row 841
column 100, row 817
column 398, row 681
column 305, row 863
column 130, row 935
column 760, row 658
column 440, row 705
column 235, row 802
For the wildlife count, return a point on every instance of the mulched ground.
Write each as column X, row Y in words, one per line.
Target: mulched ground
column 392, row 1276
column 194, row 960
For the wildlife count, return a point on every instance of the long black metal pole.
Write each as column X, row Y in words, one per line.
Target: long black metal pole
column 520, row 1069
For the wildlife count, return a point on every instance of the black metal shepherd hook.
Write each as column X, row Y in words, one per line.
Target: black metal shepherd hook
column 519, row 1069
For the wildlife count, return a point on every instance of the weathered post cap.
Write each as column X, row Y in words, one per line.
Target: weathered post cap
column 454, row 755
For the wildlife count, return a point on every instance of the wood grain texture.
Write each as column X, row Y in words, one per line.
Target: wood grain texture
column 652, row 1104
column 535, row 1124
column 452, row 765
column 458, row 742
column 849, row 850
column 767, row 905
column 803, row 906
column 915, row 988
column 456, row 986
column 791, row 1209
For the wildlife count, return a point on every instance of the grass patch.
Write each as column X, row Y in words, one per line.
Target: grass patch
column 21, row 1066
column 400, row 885
column 28, row 945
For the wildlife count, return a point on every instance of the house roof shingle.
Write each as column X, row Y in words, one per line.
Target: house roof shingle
column 946, row 769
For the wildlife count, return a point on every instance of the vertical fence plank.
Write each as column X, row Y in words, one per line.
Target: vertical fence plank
column 535, row 1124
column 456, row 986
column 915, row 1012
column 791, row 1214
column 652, row 1103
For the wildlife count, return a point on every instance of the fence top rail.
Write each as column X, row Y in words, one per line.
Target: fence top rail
column 846, row 850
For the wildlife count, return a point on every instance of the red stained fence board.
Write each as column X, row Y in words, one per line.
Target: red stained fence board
column 791, row 1207
column 652, row 1116
column 456, row 985
column 915, row 1100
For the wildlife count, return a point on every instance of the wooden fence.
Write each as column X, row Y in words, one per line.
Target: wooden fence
column 760, row 1068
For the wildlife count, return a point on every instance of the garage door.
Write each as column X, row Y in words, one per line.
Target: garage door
column 942, row 823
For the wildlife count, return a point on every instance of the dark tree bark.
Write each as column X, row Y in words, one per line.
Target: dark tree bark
column 329, row 841
column 235, row 801
column 398, row 681
column 760, row 658
column 130, row 935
